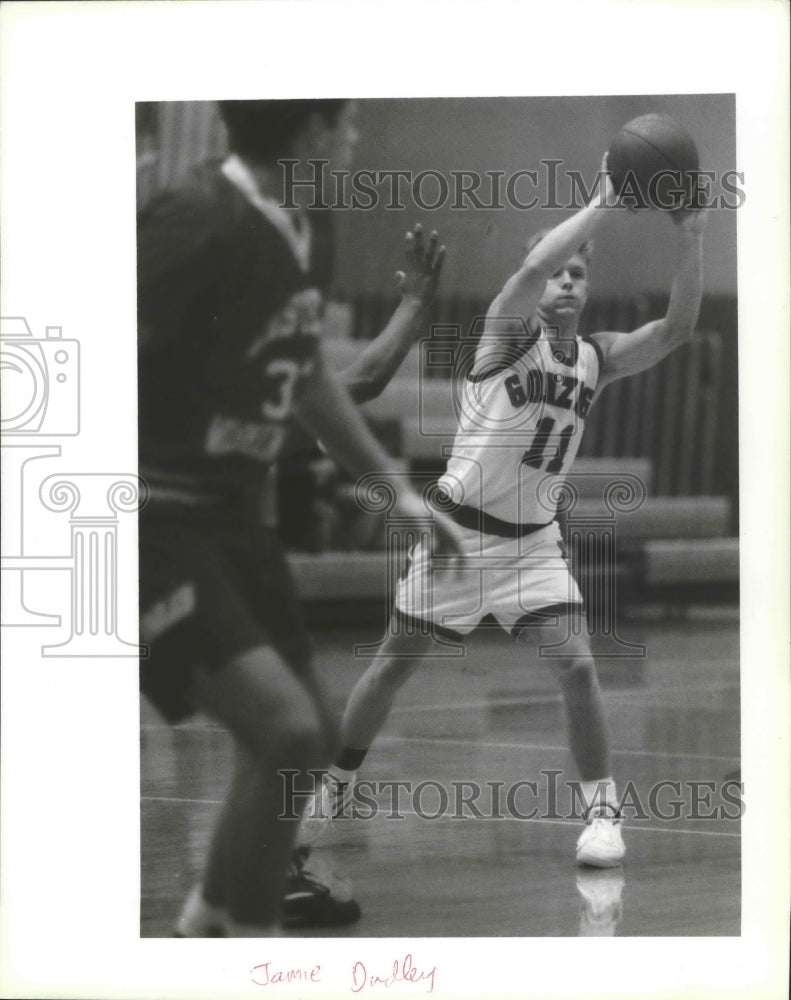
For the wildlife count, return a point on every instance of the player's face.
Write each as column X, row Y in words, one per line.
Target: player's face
column 566, row 291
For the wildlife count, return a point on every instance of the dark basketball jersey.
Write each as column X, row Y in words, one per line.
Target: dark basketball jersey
column 230, row 302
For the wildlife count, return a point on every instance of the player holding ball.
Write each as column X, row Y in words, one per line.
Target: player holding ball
column 524, row 404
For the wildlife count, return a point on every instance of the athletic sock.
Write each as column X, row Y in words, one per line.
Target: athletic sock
column 598, row 794
column 349, row 759
column 199, row 918
column 340, row 775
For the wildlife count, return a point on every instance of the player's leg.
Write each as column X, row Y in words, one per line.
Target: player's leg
column 424, row 599
column 275, row 727
column 265, row 576
column 367, row 709
column 601, row 844
column 260, row 570
column 209, row 651
column 543, row 584
column 372, row 697
column 576, row 672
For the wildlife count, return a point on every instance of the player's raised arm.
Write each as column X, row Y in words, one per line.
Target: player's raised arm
column 370, row 373
column 521, row 293
column 629, row 353
column 325, row 408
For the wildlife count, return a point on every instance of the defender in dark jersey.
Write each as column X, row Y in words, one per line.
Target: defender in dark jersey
column 230, row 303
column 522, row 413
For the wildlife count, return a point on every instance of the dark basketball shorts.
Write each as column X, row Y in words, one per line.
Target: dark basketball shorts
column 209, row 592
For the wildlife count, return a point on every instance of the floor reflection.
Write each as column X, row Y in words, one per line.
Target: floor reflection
column 601, row 905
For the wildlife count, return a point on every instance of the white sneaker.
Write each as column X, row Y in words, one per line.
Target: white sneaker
column 319, row 866
column 600, row 844
column 331, row 801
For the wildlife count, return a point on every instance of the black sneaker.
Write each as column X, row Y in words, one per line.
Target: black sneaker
column 316, row 898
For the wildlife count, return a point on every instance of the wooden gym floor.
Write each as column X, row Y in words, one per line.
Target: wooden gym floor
column 495, row 716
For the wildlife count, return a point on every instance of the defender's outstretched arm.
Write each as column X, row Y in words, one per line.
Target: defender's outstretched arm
column 376, row 365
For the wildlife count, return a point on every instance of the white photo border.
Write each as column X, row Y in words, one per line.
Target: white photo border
column 71, row 74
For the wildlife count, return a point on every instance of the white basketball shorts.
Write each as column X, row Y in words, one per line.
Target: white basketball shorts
column 505, row 577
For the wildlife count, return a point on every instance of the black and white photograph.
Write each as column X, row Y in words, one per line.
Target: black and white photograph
column 567, row 615
column 393, row 476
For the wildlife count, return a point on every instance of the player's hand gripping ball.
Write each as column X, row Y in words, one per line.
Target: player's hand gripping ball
column 654, row 163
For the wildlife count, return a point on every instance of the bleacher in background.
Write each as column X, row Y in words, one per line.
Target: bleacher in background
column 172, row 136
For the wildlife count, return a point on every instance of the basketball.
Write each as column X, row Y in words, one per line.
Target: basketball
column 653, row 163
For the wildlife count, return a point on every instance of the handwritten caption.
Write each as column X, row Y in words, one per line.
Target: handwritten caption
column 362, row 975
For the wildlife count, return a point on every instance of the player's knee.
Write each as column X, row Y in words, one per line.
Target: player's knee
column 578, row 672
column 296, row 739
column 273, row 714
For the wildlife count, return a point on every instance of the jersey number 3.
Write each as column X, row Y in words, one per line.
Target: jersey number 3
column 280, row 377
column 540, row 450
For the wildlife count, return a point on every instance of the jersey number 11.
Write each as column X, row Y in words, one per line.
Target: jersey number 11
column 540, row 450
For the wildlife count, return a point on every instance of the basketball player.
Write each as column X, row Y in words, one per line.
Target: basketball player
column 230, row 311
column 523, row 407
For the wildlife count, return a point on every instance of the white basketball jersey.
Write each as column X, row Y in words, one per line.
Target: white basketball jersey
column 520, row 425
